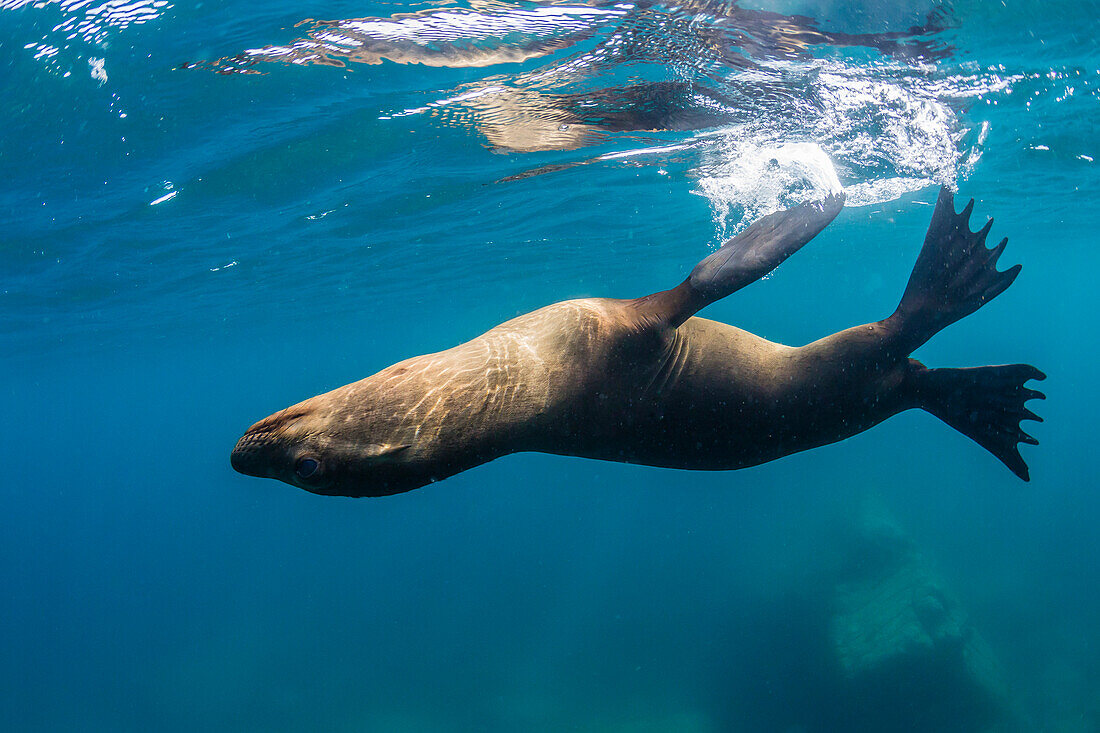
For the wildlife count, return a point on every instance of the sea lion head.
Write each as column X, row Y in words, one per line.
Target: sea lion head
column 322, row 450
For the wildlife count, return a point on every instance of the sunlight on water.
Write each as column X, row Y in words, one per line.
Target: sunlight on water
column 740, row 89
column 83, row 23
column 701, row 92
column 494, row 33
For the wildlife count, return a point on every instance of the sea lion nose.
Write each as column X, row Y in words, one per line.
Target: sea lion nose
column 246, row 458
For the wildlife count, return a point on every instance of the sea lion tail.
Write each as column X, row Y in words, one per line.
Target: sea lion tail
column 955, row 274
column 986, row 404
column 742, row 260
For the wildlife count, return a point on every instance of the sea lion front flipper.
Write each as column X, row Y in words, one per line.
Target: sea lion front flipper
column 742, row 260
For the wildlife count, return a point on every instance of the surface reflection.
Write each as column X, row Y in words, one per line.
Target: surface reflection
column 85, row 23
column 732, row 84
column 677, row 63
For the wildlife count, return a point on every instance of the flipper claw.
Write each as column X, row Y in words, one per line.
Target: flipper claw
column 966, row 212
column 1033, row 394
column 996, row 252
column 1029, row 415
column 984, row 231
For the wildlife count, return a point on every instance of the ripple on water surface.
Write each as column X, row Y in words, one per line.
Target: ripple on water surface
column 320, row 128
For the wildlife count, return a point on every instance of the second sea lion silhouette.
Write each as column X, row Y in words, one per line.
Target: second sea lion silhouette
column 644, row 381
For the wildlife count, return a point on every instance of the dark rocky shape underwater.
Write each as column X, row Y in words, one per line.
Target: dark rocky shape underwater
column 645, row 381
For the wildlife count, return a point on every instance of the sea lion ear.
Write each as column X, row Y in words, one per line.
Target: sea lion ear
column 383, row 450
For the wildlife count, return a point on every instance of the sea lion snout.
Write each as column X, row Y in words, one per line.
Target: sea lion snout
column 258, row 453
column 261, row 451
column 247, row 456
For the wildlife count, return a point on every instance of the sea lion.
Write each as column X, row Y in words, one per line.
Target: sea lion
column 644, row 381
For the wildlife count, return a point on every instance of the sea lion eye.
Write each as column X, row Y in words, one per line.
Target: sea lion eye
column 306, row 467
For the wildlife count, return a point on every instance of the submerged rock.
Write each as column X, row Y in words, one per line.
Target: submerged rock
column 866, row 638
column 906, row 654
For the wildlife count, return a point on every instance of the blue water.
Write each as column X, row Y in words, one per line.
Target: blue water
column 186, row 251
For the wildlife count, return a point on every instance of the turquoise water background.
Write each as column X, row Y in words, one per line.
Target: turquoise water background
column 185, row 252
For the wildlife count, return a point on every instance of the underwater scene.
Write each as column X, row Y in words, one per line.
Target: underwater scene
column 217, row 214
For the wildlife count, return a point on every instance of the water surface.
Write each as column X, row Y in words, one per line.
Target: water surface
column 214, row 210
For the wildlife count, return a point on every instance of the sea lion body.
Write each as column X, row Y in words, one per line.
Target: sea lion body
column 705, row 395
column 645, row 381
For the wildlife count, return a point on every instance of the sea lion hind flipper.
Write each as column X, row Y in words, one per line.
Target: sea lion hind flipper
column 955, row 273
column 742, row 260
column 986, row 404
